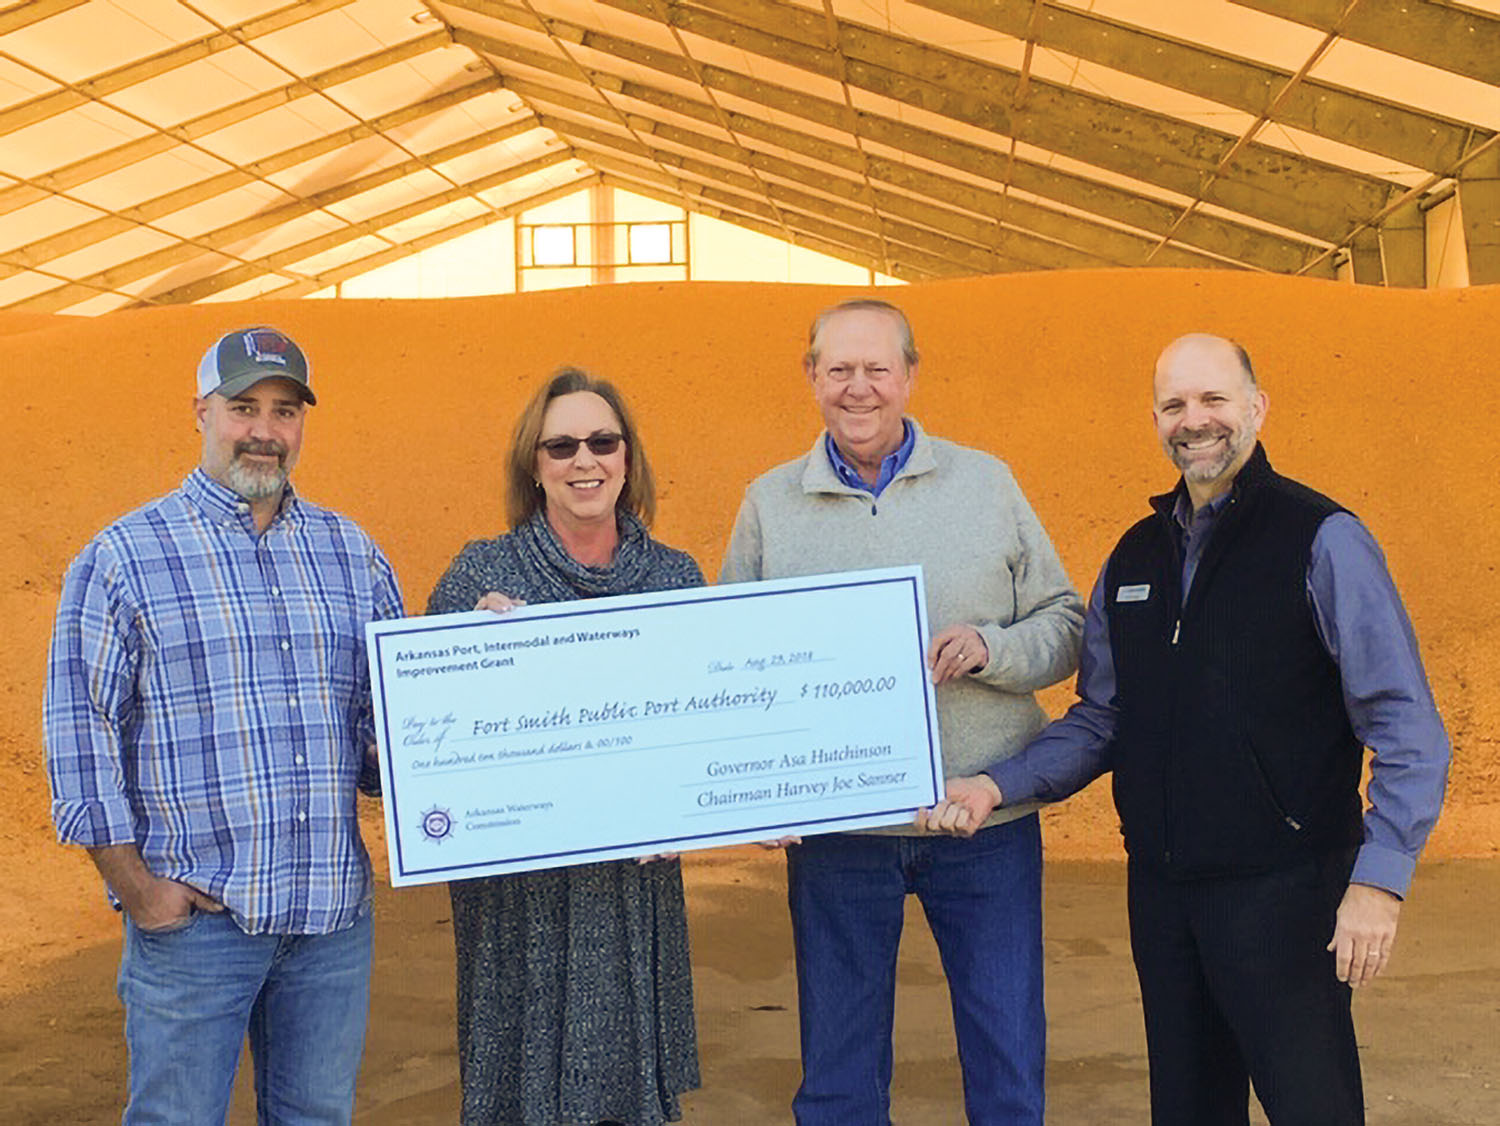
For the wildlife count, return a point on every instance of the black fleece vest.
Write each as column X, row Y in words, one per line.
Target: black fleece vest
column 1233, row 752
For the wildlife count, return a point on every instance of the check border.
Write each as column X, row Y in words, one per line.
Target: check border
column 588, row 608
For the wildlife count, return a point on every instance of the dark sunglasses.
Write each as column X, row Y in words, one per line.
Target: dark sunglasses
column 600, row 445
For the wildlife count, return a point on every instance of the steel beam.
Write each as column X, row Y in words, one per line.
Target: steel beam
column 1403, row 246
column 1479, row 202
column 122, row 274
column 1270, row 184
column 831, row 249
column 444, row 234
column 1226, row 238
column 1422, row 140
column 1104, row 244
column 969, row 257
column 1442, row 35
column 13, row 17
column 151, row 210
column 806, row 240
column 706, row 199
column 54, row 102
column 1364, row 255
column 851, row 205
column 132, row 152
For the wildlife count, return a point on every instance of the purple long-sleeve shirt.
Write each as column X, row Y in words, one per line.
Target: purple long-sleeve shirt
column 1365, row 629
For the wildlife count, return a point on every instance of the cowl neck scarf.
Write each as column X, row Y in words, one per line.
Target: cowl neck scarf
column 557, row 577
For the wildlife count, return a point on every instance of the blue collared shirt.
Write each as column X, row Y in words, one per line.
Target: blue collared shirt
column 890, row 465
column 208, row 700
column 1364, row 627
column 1194, row 527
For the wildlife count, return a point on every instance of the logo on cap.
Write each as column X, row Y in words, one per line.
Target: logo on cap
column 240, row 359
column 266, row 346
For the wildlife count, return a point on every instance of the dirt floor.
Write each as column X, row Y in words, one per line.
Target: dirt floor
column 1427, row 1029
column 1384, row 399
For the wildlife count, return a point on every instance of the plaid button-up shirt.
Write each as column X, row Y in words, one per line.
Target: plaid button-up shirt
column 208, row 700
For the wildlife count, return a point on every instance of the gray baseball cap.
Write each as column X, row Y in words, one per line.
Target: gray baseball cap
column 242, row 358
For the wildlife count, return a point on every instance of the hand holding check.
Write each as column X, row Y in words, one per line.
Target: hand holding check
column 967, row 804
column 956, row 651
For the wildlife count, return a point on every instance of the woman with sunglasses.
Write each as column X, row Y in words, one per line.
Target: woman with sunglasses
column 575, row 996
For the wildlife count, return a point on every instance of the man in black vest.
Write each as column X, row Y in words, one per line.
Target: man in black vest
column 1243, row 645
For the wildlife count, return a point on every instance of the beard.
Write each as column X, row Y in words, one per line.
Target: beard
column 1209, row 469
column 253, row 481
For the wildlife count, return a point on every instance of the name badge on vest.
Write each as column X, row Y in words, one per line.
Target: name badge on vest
column 1137, row 593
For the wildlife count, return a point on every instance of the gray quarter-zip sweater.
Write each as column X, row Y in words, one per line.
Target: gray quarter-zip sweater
column 985, row 559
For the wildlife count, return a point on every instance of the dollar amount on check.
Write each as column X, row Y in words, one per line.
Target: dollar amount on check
column 616, row 727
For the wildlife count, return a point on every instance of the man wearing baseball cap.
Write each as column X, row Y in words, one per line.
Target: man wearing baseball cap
column 208, row 722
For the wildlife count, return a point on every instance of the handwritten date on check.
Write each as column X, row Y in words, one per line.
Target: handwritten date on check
column 588, row 731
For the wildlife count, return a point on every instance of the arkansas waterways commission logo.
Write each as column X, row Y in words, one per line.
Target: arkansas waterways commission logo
column 437, row 824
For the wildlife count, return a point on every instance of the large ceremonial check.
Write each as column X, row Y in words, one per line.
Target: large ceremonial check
column 649, row 723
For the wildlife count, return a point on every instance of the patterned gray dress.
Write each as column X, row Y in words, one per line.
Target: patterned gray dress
column 575, row 995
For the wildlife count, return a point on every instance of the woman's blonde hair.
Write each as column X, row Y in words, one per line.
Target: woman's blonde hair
column 523, row 494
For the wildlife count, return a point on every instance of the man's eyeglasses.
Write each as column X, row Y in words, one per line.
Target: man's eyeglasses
column 600, row 445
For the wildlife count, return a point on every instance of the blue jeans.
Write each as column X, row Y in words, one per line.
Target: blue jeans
column 193, row 994
column 983, row 901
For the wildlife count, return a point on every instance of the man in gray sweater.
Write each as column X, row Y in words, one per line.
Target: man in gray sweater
column 877, row 491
